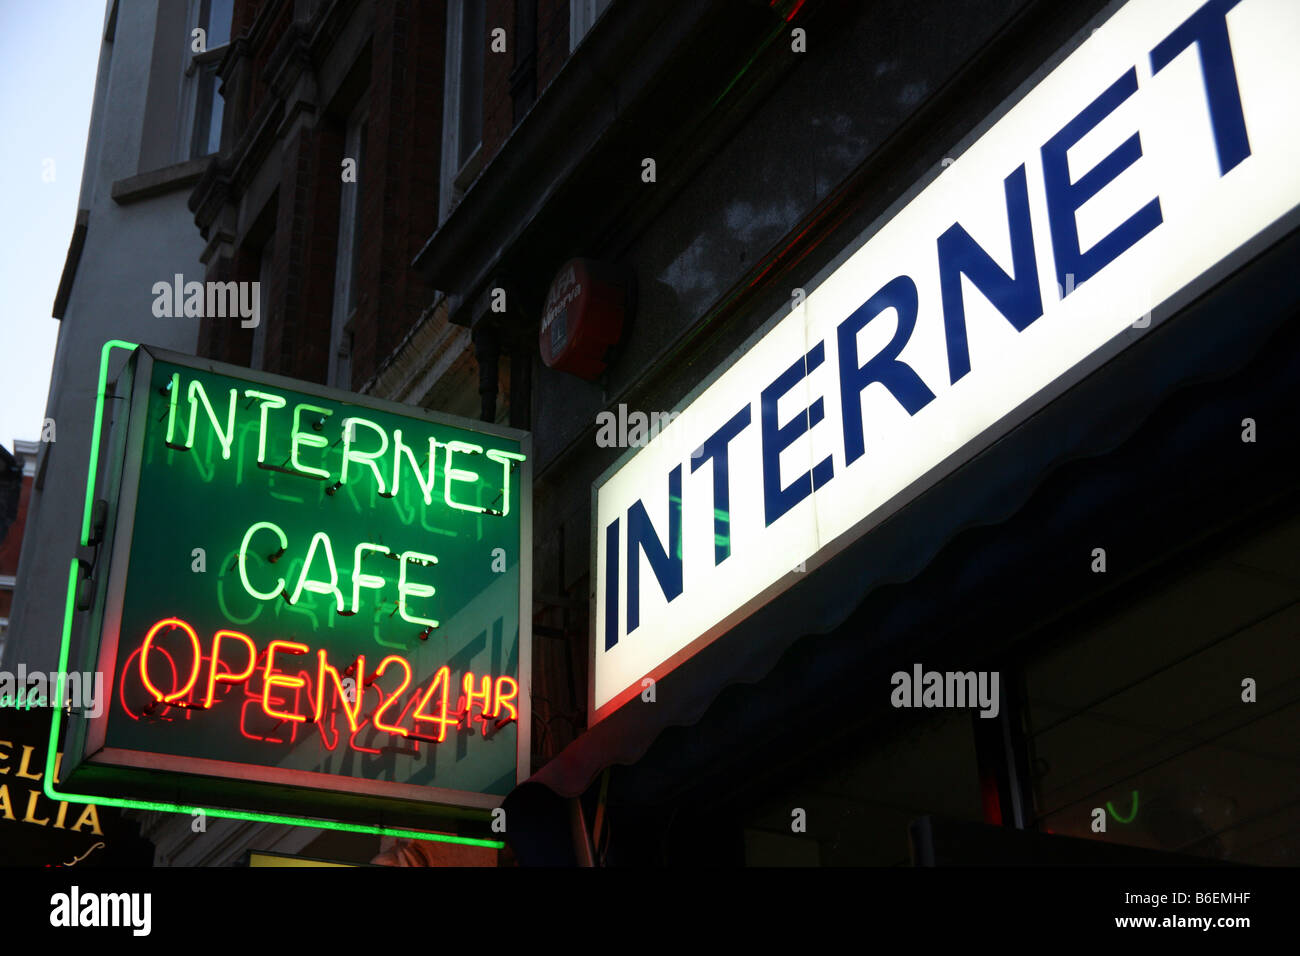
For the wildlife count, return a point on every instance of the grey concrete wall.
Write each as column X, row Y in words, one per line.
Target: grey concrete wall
column 171, row 54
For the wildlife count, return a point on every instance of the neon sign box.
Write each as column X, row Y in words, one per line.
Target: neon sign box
column 316, row 603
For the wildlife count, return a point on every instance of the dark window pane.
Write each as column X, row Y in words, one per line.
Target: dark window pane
column 473, row 40
column 214, row 124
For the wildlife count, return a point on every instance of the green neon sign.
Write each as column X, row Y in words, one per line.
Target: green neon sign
column 302, row 588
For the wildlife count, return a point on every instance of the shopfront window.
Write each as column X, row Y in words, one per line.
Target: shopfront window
column 858, row 807
column 1174, row 718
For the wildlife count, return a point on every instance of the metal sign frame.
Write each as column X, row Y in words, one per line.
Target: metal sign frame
column 149, row 780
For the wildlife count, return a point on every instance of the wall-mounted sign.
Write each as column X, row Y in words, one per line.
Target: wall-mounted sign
column 583, row 316
column 309, row 602
column 1126, row 179
column 36, row 830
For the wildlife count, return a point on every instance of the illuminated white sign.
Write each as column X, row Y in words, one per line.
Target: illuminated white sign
column 1160, row 146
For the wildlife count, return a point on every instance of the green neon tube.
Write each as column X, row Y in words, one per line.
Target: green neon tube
column 94, row 435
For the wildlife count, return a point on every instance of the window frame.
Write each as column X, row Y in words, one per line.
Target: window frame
column 456, row 177
column 199, row 68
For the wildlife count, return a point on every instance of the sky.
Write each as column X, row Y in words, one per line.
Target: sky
column 49, row 52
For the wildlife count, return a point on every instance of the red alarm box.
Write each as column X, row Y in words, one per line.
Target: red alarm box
column 583, row 317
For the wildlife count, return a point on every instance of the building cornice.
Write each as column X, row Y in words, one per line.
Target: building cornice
column 157, row 182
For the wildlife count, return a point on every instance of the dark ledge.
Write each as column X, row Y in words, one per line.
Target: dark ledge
column 159, row 181
column 70, row 263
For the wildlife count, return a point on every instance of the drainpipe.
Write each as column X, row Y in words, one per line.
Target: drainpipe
column 521, row 386
column 487, row 350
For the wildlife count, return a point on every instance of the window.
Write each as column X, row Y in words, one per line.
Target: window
column 349, row 251
column 462, row 129
column 201, row 118
column 582, row 15
column 864, row 792
column 1144, row 719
